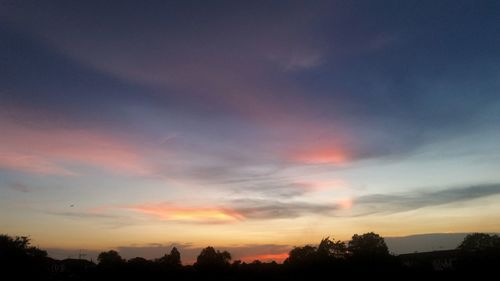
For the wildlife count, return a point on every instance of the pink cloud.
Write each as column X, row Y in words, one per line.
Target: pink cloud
column 318, row 185
column 50, row 150
column 32, row 164
column 320, row 154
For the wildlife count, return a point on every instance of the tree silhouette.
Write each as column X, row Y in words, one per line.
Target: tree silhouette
column 18, row 256
column 368, row 245
column 172, row 259
column 18, row 247
column 478, row 242
column 328, row 249
column 302, row 256
column 209, row 258
column 479, row 252
column 138, row 261
column 110, row 258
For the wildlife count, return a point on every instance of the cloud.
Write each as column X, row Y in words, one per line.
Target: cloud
column 243, row 209
column 282, row 188
column 300, row 61
column 321, row 155
column 31, row 164
column 21, row 187
column 233, row 211
column 173, row 212
column 85, row 215
column 271, row 209
column 393, row 203
column 17, row 186
column 55, row 150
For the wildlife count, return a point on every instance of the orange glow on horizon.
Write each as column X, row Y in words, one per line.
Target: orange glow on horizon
column 280, row 257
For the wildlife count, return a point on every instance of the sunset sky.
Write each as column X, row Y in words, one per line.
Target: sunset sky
column 247, row 125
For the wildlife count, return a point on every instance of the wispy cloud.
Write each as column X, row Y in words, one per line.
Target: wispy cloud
column 238, row 210
column 173, row 212
column 232, row 211
column 53, row 151
column 400, row 202
column 20, row 187
column 271, row 209
column 84, row 215
column 321, row 155
column 32, row 164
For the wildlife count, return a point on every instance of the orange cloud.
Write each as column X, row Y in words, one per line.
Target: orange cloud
column 49, row 151
column 321, row 155
column 189, row 214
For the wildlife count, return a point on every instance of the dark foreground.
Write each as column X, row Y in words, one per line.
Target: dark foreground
column 365, row 256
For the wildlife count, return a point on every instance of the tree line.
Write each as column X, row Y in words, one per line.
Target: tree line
column 364, row 255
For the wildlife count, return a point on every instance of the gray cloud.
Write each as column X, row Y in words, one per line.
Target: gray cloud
column 272, row 188
column 390, row 203
column 84, row 214
column 17, row 186
column 364, row 205
column 266, row 209
column 270, row 209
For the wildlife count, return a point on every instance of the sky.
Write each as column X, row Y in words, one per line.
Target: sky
column 251, row 126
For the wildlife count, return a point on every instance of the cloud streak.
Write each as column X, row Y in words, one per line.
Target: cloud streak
column 239, row 210
column 167, row 211
column 53, row 151
column 393, row 203
column 234, row 211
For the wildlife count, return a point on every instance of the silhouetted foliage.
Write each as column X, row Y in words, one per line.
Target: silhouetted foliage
column 301, row 256
column 210, row 258
column 478, row 242
column 368, row 245
column 172, row 259
column 479, row 252
column 328, row 249
column 365, row 255
column 110, row 258
column 138, row 262
column 18, row 248
column 18, row 256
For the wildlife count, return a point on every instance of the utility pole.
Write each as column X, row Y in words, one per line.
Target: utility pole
column 81, row 255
